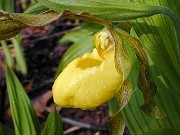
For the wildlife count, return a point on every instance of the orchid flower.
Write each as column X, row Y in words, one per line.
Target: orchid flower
column 90, row 80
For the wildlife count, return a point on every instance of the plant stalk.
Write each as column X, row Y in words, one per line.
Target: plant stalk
column 9, row 58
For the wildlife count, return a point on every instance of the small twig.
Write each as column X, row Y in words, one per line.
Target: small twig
column 83, row 125
column 39, row 35
column 72, row 129
column 48, row 36
column 56, row 34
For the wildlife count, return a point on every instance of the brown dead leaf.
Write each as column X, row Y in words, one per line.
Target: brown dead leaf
column 2, row 69
column 41, row 104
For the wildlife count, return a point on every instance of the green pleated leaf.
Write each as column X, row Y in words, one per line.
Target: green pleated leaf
column 144, row 82
column 113, row 10
column 24, row 116
column 7, row 5
column 166, row 98
column 164, row 132
column 157, row 35
column 5, row 130
column 36, row 8
column 75, row 36
column 53, row 124
column 20, row 59
column 113, row 107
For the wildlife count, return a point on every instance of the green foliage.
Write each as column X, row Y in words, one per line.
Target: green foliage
column 157, row 35
column 20, row 59
column 24, row 117
column 112, row 11
column 144, row 81
column 86, row 30
column 113, row 107
column 160, row 44
column 9, row 58
column 53, row 124
column 164, row 132
column 36, row 8
column 166, row 98
column 7, row 5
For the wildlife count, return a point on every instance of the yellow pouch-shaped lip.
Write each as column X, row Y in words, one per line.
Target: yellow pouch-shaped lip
column 88, row 81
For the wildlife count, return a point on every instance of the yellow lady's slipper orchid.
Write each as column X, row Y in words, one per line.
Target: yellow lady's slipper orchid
column 90, row 80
